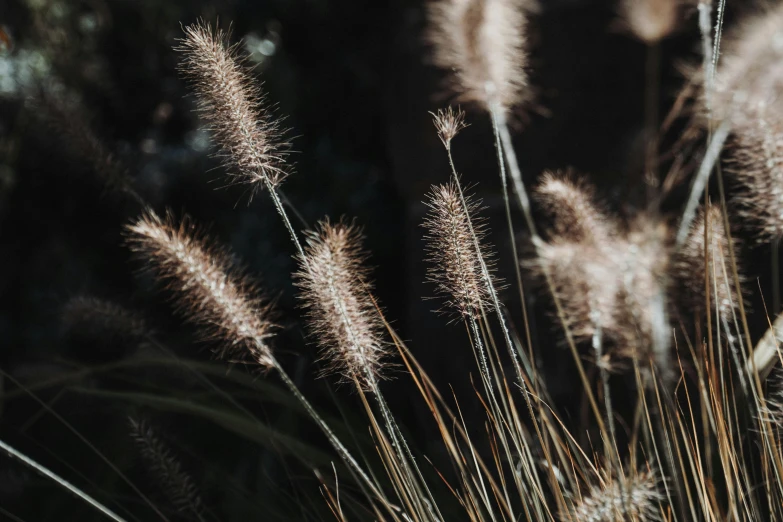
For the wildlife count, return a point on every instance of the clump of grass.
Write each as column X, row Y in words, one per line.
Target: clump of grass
column 613, row 281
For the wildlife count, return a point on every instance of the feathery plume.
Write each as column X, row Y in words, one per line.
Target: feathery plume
column 572, row 206
column 167, row 470
column 604, row 275
column 750, row 80
column 448, row 123
column 67, row 118
column 616, row 500
column 690, row 270
column 455, row 267
column 748, row 94
column 755, row 163
column 102, row 319
column 234, row 106
column 483, row 43
column 342, row 312
column 209, row 290
column 650, row 20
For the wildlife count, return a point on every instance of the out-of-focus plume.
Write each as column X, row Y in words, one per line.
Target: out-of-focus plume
column 209, row 291
column 750, row 79
column 249, row 138
column 619, row 499
column 448, row 123
column 650, row 20
column 455, row 267
column 89, row 316
column 177, row 485
column 65, row 115
column 572, row 206
column 749, row 95
column 691, row 266
column 605, row 275
column 336, row 291
column 483, row 43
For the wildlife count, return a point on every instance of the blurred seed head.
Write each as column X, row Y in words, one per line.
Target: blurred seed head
column 336, row 292
column 482, row 43
column 67, row 118
column 749, row 95
column 250, row 139
column 690, row 265
column 166, row 470
column 650, row 20
column 571, row 204
column 455, row 267
column 85, row 316
column 749, row 82
column 605, row 274
column 208, row 289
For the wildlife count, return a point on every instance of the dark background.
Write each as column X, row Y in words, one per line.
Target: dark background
column 352, row 80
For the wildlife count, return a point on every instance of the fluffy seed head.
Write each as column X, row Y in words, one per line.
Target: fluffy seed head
column 336, row 292
column 209, row 291
column 482, row 42
column 250, row 140
column 636, row 498
column 749, row 82
column 575, row 214
column 605, row 274
column 65, row 115
column 455, row 267
column 749, row 95
column 690, row 269
column 755, row 163
column 448, row 124
column 166, row 469
column 102, row 319
column 650, row 20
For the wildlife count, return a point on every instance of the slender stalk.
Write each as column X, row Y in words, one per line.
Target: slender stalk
column 775, row 276
column 700, row 182
column 333, row 439
column 60, row 481
column 496, row 303
column 653, row 72
column 281, row 210
column 501, row 130
column 81, row 437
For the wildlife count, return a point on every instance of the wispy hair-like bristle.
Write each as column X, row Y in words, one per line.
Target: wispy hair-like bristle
column 336, row 291
column 208, row 289
column 248, row 135
column 456, row 270
column 161, row 463
column 483, row 43
column 448, row 123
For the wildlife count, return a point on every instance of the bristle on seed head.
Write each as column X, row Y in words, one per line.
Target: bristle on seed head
column 456, row 269
column 208, row 289
column 336, row 293
column 249, row 138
